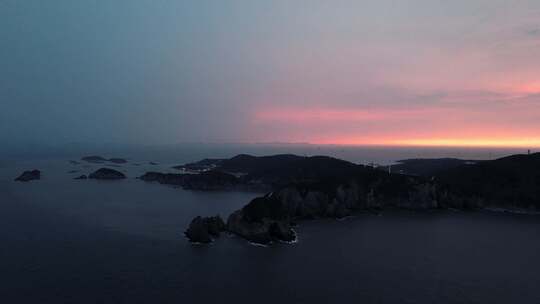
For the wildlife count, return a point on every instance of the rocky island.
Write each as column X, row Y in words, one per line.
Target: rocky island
column 324, row 187
column 105, row 174
column 202, row 230
column 27, row 176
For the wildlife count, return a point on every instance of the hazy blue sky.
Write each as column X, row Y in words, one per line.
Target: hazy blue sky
column 419, row 71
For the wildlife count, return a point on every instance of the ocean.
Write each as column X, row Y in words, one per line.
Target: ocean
column 87, row 241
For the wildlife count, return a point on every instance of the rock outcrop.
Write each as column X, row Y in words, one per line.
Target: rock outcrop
column 107, row 174
column 269, row 218
column 27, row 176
column 81, row 177
column 264, row 231
column 204, row 229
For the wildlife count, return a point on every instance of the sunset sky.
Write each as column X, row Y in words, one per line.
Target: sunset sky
column 417, row 72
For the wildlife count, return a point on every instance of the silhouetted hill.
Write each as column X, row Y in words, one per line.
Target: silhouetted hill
column 512, row 181
column 280, row 170
column 427, row 166
column 273, row 172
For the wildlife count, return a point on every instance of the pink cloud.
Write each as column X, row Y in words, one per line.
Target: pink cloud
column 318, row 115
column 486, row 123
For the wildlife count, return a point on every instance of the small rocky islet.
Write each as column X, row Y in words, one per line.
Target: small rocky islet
column 203, row 229
column 101, row 174
column 106, row 174
column 27, row 176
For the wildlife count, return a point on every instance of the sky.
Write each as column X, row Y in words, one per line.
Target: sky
column 416, row 72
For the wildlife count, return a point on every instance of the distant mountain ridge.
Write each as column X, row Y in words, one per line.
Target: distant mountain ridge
column 427, row 167
column 512, row 181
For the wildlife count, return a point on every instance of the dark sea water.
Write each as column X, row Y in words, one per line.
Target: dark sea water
column 77, row 241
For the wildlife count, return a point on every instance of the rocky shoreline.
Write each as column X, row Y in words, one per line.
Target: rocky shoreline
column 329, row 188
column 271, row 218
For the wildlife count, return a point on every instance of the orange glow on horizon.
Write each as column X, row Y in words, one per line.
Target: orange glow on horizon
column 438, row 142
column 507, row 125
column 531, row 88
column 296, row 115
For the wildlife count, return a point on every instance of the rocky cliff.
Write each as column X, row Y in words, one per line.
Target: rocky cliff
column 323, row 187
column 271, row 217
